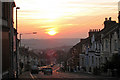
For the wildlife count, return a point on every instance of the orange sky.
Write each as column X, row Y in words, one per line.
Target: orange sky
column 69, row 18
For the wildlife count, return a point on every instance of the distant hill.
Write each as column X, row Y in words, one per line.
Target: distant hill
column 49, row 43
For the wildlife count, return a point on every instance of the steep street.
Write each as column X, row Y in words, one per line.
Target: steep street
column 62, row 75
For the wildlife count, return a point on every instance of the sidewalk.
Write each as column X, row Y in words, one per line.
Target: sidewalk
column 94, row 76
column 25, row 75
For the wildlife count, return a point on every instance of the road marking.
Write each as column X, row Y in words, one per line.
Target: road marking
column 33, row 77
column 56, row 69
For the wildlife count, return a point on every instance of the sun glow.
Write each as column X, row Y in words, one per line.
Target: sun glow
column 51, row 32
column 67, row 17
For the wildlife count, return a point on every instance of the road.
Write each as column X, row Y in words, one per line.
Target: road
column 61, row 75
column 57, row 74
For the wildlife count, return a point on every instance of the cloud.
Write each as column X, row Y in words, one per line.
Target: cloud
column 91, row 4
column 45, row 27
column 7, row 0
column 75, row 16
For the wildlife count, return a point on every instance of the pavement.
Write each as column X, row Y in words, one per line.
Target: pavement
column 25, row 75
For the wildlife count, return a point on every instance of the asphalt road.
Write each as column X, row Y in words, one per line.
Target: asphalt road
column 57, row 74
column 63, row 75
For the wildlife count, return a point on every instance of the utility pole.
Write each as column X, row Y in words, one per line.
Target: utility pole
column 0, row 42
column 119, row 27
column 119, row 33
column 20, row 39
column 16, row 45
column 11, row 51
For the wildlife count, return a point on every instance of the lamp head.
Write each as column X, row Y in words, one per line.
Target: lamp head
column 17, row 7
column 34, row 32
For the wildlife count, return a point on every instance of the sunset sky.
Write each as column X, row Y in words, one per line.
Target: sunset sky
column 63, row 18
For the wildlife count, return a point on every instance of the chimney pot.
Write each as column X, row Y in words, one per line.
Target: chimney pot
column 90, row 30
column 119, row 17
column 95, row 30
column 109, row 18
column 105, row 19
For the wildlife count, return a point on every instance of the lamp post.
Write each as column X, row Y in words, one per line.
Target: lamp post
column 16, row 16
column 16, row 45
column 25, row 33
column 119, row 30
column 21, row 38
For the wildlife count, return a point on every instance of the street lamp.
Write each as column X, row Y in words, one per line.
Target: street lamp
column 16, row 16
column 16, row 45
column 25, row 33
column 21, row 38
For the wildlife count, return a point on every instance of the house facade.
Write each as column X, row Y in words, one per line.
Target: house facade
column 27, row 58
column 8, row 31
column 98, row 47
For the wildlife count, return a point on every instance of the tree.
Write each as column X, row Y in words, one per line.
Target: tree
column 113, row 64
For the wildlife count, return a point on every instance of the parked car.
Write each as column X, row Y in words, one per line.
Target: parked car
column 40, row 69
column 58, row 70
column 34, row 69
column 47, row 71
column 52, row 65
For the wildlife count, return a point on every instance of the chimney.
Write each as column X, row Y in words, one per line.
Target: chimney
column 109, row 18
column 92, row 31
column 105, row 19
column 105, row 22
column 81, row 40
column 109, row 23
column 119, row 17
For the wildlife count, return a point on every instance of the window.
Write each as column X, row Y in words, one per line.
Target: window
column 115, row 44
column 89, row 59
column 82, row 61
column 99, row 62
column 96, row 61
column 102, row 47
column 106, row 59
column 106, row 42
column 4, row 10
column 92, row 60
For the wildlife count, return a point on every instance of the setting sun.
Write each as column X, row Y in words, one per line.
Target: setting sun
column 51, row 32
column 66, row 17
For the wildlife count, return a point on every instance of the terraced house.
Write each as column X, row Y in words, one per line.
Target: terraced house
column 99, row 46
column 8, row 40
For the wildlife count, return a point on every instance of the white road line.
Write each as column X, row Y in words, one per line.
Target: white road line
column 55, row 69
column 33, row 77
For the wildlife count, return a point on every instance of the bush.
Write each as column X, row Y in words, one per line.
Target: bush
column 114, row 63
column 84, row 68
column 96, row 71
